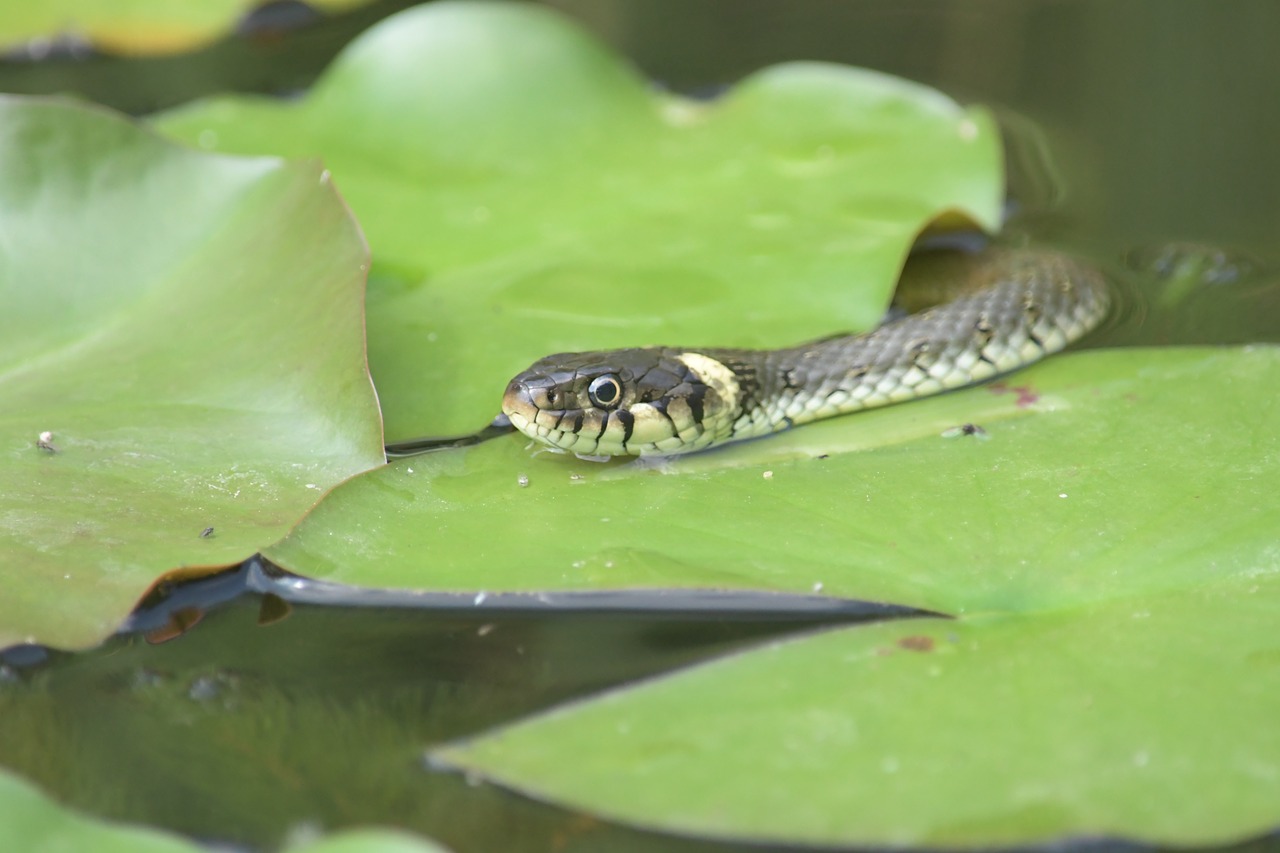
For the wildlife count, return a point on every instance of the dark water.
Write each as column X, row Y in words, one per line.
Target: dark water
column 249, row 711
column 271, row 719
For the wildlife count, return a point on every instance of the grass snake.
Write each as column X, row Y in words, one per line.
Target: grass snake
column 988, row 313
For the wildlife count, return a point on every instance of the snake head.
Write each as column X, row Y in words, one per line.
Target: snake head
column 629, row 402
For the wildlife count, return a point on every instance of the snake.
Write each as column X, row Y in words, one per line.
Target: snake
column 999, row 309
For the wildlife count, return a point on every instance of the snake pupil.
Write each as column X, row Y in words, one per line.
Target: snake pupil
column 605, row 391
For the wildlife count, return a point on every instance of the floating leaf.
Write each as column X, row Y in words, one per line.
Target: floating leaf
column 1149, row 718
column 524, row 192
column 1108, row 484
column 181, row 361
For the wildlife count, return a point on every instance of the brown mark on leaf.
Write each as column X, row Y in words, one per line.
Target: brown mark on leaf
column 1026, row 394
column 916, row 643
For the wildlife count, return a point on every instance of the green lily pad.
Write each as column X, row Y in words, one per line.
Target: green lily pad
column 1106, row 485
column 134, row 26
column 187, row 330
column 525, row 192
column 1150, row 718
column 30, row 821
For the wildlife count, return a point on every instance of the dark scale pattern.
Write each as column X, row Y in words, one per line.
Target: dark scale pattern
column 1026, row 305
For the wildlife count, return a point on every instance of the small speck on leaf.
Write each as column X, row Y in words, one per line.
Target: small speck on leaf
column 916, row 643
column 965, row 429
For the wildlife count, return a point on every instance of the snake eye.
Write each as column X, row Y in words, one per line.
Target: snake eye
column 605, row 391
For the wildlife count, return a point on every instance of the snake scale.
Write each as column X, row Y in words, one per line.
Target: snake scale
column 1007, row 309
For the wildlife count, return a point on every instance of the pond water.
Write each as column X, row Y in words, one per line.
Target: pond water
column 250, row 710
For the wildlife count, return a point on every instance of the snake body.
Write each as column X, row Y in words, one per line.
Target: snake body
column 1013, row 308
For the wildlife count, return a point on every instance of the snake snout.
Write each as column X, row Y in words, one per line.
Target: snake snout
column 518, row 400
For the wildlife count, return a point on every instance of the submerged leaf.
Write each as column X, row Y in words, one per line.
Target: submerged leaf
column 31, row 822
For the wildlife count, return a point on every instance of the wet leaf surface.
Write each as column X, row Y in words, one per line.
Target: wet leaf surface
column 1095, row 480
column 181, row 362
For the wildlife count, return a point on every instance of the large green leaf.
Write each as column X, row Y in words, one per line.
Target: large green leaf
column 1151, row 717
column 1112, row 550
column 1108, row 484
column 32, row 823
column 524, row 192
column 188, row 329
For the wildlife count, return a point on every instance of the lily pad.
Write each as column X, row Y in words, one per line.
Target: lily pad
column 134, row 26
column 526, row 192
column 1149, row 718
column 1096, row 480
column 30, row 821
column 181, row 360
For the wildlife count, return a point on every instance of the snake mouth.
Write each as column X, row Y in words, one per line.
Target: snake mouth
column 528, row 417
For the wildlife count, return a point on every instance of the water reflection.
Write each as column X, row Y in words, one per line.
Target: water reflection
column 254, row 706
